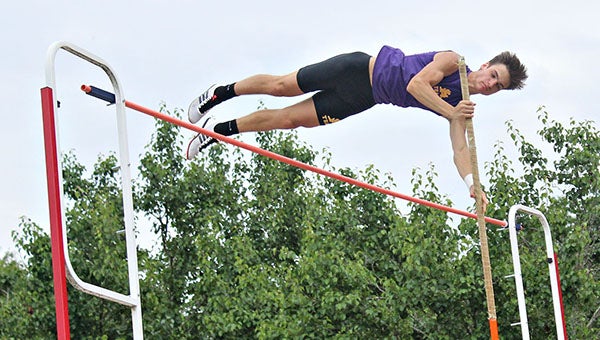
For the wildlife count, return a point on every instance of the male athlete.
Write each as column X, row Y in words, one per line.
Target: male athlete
column 351, row 83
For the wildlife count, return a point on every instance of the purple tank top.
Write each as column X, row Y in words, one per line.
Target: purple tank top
column 393, row 71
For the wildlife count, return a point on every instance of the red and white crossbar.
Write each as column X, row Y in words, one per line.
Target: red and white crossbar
column 109, row 97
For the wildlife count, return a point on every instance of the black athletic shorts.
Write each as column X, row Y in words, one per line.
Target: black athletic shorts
column 343, row 84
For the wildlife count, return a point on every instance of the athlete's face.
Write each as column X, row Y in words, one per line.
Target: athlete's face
column 490, row 79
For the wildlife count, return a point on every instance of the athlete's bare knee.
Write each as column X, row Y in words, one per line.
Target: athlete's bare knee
column 287, row 122
column 291, row 119
column 278, row 88
column 286, row 85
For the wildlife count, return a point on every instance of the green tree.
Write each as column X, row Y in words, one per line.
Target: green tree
column 95, row 227
column 248, row 247
column 262, row 248
column 94, row 218
column 18, row 308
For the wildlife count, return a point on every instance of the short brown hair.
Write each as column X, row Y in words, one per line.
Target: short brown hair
column 516, row 70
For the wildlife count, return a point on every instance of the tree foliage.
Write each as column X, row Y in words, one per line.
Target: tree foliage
column 247, row 247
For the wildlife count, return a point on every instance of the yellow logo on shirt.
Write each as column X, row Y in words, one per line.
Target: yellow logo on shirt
column 442, row 91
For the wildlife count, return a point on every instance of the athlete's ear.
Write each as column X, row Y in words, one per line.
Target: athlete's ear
column 484, row 66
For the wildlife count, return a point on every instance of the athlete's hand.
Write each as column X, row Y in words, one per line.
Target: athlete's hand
column 463, row 110
column 484, row 199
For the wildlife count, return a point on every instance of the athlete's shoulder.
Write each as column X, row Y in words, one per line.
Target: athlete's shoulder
column 447, row 54
column 446, row 60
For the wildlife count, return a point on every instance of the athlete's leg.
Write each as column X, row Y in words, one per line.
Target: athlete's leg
column 343, row 88
column 302, row 114
column 280, row 86
column 297, row 115
column 285, row 85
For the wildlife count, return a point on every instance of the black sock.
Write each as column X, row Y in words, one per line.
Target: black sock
column 227, row 128
column 225, row 92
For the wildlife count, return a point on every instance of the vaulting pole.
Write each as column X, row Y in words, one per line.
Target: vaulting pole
column 485, row 254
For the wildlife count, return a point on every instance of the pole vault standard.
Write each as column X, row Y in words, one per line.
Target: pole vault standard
column 61, row 263
column 110, row 98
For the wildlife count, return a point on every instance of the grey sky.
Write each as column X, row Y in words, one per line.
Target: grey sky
column 170, row 51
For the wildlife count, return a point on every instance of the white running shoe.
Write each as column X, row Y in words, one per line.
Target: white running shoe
column 200, row 141
column 198, row 107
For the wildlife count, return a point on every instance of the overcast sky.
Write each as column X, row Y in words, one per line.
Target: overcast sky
column 170, row 51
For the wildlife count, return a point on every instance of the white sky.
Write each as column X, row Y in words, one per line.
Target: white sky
column 170, row 51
